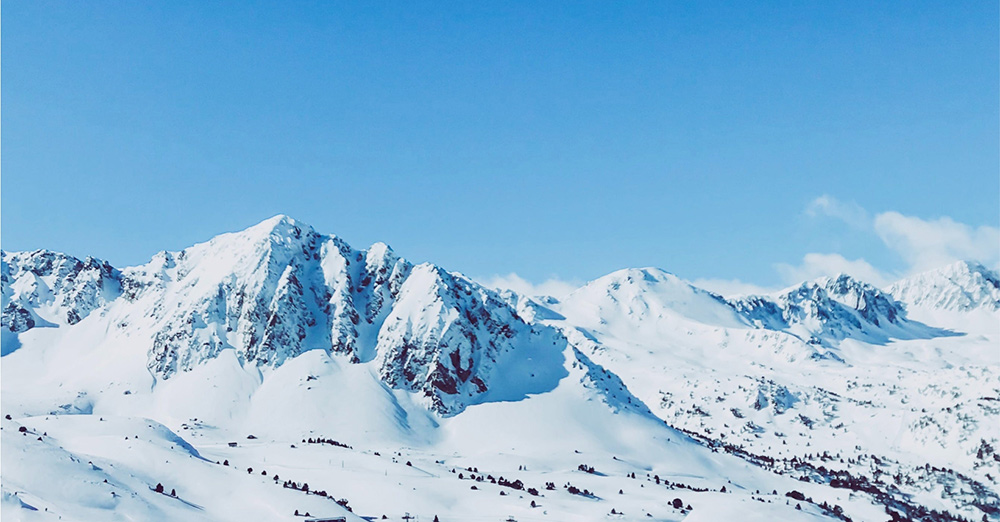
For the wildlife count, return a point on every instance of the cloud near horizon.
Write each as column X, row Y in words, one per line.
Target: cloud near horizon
column 553, row 287
column 815, row 265
column 926, row 245
column 923, row 244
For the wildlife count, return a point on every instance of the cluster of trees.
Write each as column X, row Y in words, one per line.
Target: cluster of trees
column 500, row 481
column 681, row 485
column 573, row 490
column 331, row 442
column 586, row 469
column 897, row 505
column 304, row 487
column 159, row 489
column 679, row 504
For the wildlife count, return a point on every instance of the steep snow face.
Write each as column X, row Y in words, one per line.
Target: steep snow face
column 255, row 291
column 44, row 288
column 270, row 292
column 827, row 310
column 960, row 287
column 445, row 336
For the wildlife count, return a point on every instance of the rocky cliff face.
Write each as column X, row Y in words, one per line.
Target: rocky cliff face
column 444, row 336
column 826, row 310
column 48, row 288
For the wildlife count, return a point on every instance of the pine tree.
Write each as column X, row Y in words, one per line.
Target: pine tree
column 159, row 487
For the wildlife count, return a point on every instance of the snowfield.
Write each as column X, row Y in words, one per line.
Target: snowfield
column 278, row 370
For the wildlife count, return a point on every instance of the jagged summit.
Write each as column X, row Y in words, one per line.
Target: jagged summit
column 279, row 289
column 826, row 310
column 961, row 287
column 276, row 290
column 46, row 288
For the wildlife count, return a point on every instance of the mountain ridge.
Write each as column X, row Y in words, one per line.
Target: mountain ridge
column 286, row 333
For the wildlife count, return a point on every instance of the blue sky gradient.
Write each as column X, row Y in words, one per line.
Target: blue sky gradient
column 550, row 139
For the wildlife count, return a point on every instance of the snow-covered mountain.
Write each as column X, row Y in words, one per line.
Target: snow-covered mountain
column 271, row 293
column 963, row 286
column 43, row 288
column 839, row 391
column 831, row 309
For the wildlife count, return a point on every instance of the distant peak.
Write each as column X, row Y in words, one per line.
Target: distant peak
column 649, row 274
column 281, row 221
column 279, row 226
column 970, row 267
column 379, row 250
column 953, row 270
column 960, row 286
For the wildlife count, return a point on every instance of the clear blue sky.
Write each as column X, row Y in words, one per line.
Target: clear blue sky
column 562, row 139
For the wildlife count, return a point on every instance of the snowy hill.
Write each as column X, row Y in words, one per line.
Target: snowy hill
column 284, row 350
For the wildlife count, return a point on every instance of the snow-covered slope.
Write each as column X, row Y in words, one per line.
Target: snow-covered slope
column 247, row 347
column 834, row 365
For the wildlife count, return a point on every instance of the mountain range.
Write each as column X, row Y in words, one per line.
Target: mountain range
column 832, row 399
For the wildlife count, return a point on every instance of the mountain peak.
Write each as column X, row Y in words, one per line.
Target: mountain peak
column 277, row 226
column 637, row 277
column 961, row 286
column 636, row 293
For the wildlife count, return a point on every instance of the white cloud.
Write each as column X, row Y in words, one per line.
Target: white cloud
column 922, row 244
column 926, row 245
column 815, row 265
column 557, row 288
column 850, row 213
column 731, row 287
